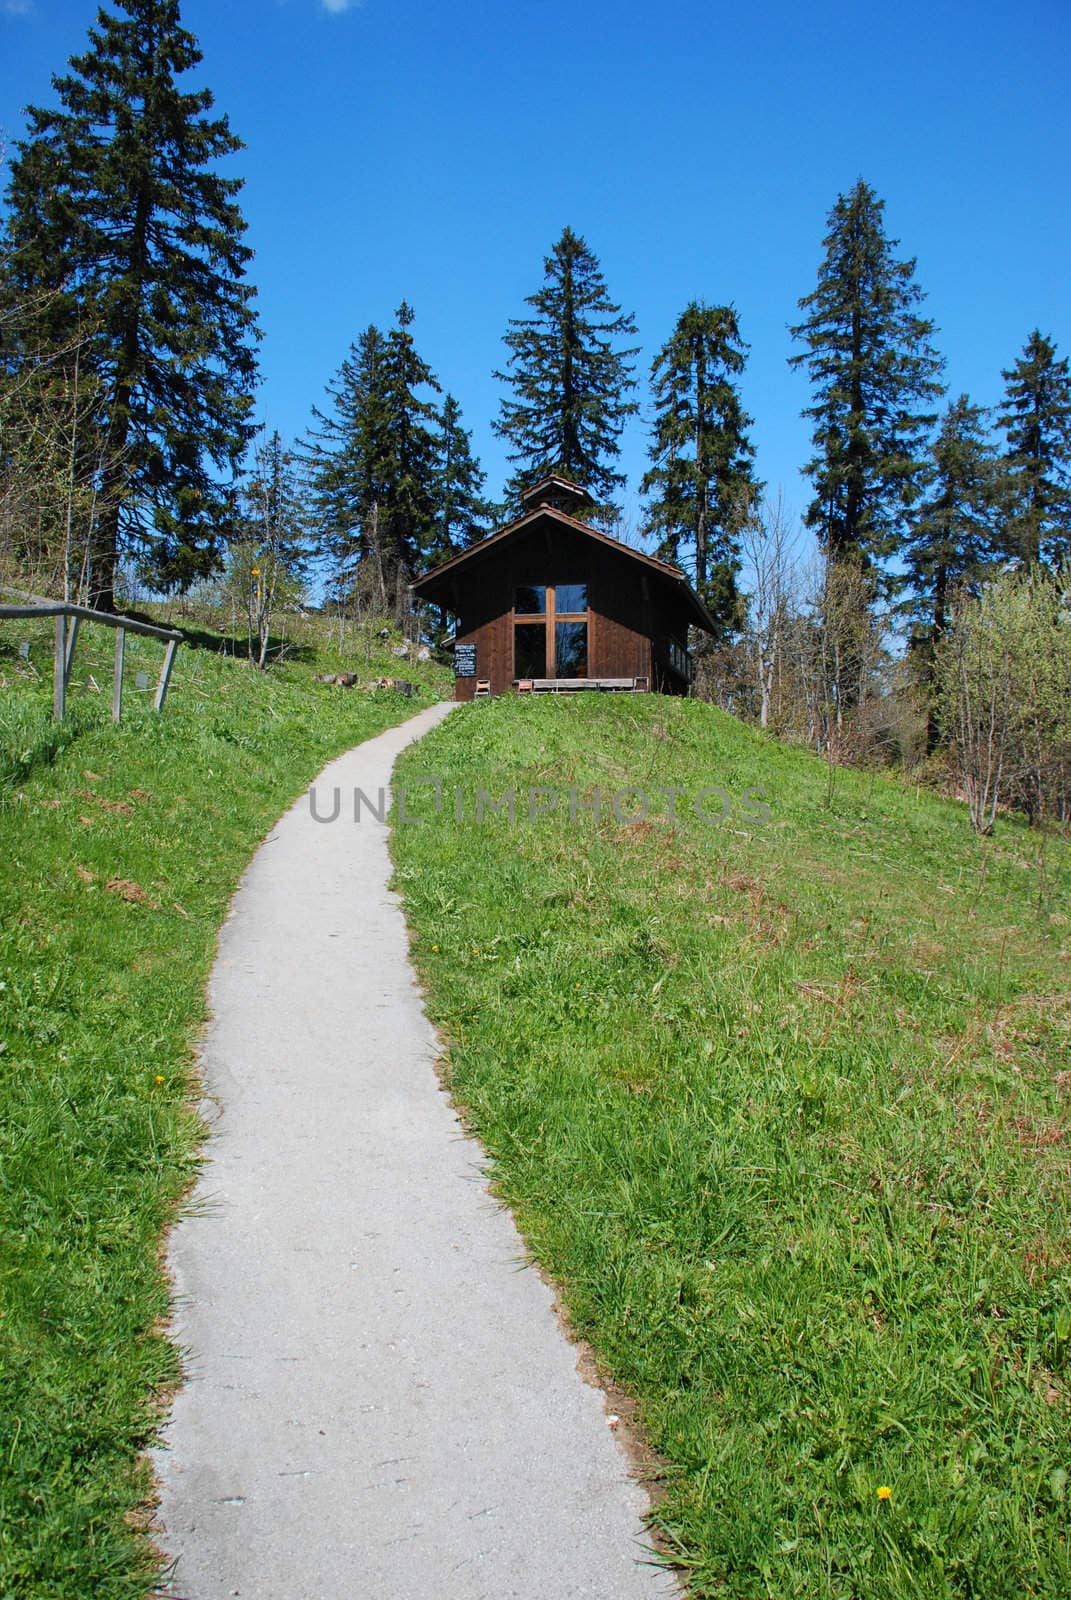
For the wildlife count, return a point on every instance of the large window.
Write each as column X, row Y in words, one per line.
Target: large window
column 529, row 650
column 550, row 630
column 571, row 650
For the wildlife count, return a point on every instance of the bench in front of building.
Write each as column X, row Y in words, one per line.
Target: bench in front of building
column 570, row 685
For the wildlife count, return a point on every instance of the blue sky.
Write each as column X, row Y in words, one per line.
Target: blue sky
column 434, row 150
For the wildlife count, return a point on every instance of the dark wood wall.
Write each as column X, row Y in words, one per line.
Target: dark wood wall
column 628, row 609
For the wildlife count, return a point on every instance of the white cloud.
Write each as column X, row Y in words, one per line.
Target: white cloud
column 336, row 7
column 16, row 8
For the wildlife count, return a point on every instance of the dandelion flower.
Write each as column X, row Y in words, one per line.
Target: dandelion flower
column 885, row 1493
column 158, row 1078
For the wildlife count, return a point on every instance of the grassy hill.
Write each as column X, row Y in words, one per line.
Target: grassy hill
column 784, row 1107
column 121, row 848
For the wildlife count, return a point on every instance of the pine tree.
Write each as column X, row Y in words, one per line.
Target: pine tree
column 701, row 481
column 1037, row 423
column 344, row 458
column 873, row 373
column 372, row 463
column 950, row 538
column 569, row 377
column 410, row 460
column 461, row 512
column 949, row 546
column 120, row 222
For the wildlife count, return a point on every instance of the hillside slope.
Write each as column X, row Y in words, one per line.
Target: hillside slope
column 783, row 1106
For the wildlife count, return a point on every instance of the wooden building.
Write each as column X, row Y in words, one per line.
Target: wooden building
column 550, row 603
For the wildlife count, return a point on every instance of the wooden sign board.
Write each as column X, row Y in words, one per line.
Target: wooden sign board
column 464, row 661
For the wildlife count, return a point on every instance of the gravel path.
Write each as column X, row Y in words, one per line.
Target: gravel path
column 380, row 1404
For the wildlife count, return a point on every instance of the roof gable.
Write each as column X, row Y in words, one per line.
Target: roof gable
column 466, row 560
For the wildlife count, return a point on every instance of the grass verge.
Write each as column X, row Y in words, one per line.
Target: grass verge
column 121, row 848
column 785, row 1111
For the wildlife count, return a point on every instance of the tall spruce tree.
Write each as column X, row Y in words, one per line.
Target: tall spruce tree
column 121, row 226
column 407, row 518
column 372, row 460
column 569, row 376
column 1036, row 418
column 951, row 532
column 343, row 457
column 949, row 545
column 461, row 512
column 874, row 374
column 701, row 483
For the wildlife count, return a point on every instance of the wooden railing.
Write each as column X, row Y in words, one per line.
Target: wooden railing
column 68, row 619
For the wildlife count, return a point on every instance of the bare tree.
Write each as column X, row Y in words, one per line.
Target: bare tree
column 53, row 459
column 768, row 544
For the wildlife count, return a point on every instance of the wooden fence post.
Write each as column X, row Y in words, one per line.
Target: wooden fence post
column 59, row 667
column 165, row 675
column 72, row 640
column 117, row 679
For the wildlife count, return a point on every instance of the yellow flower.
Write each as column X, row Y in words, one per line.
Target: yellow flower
column 255, row 572
column 435, row 947
column 885, row 1493
column 158, row 1078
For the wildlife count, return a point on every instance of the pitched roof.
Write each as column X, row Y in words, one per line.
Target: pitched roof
column 701, row 617
column 556, row 481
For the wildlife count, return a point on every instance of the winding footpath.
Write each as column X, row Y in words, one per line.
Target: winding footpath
column 380, row 1404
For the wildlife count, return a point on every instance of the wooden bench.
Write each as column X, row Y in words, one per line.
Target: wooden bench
column 573, row 685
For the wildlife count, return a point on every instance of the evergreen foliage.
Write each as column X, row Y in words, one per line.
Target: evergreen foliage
column 410, row 450
column 126, row 236
column 461, row 511
column 701, row 482
column 569, row 377
column 951, row 534
column 1037, row 422
column 394, row 486
column 949, row 544
column 873, row 372
column 343, row 458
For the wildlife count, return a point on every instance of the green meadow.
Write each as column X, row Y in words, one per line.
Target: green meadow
column 784, row 1109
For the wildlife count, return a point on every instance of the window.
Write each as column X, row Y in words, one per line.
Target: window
column 571, row 650
column 529, row 650
column 530, row 600
column 680, row 660
column 570, row 597
column 550, row 630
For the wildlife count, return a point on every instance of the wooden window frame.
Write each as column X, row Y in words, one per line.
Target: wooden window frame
column 551, row 617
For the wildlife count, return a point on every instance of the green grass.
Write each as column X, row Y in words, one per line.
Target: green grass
column 785, row 1110
column 121, row 848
